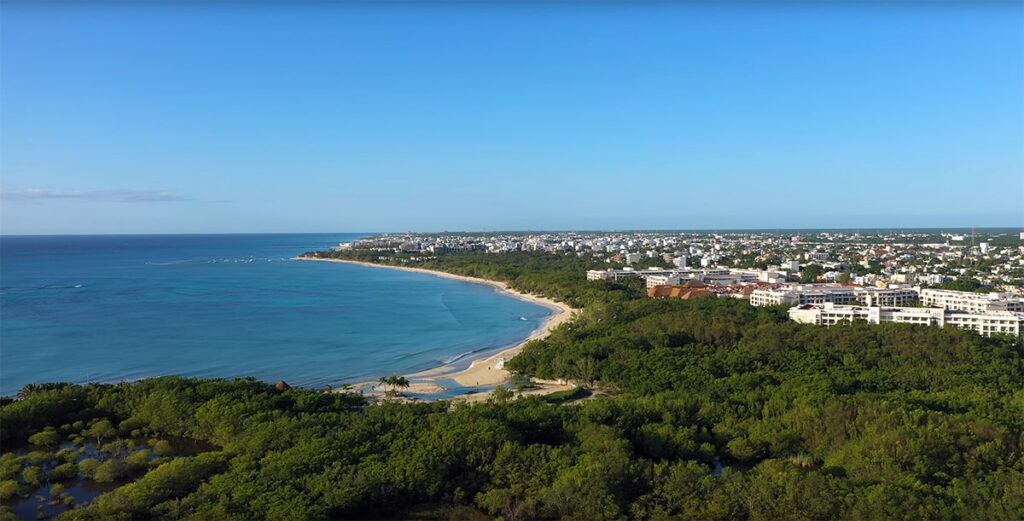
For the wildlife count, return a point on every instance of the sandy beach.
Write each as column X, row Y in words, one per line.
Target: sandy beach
column 482, row 372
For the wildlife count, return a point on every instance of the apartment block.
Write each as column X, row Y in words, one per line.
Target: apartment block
column 987, row 324
column 969, row 301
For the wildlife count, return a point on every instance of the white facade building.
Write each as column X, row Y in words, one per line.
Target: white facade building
column 987, row 324
column 835, row 293
column 803, row 294
column 969, row 301
column 663, row 280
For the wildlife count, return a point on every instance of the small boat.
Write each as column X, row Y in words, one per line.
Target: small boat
column 522, row 318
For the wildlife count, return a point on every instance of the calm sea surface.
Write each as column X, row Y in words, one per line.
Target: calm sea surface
column 113, row 308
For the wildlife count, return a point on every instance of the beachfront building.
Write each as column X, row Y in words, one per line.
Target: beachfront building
column 891, row 296
column 987, row 324
column 625, row 273
column 680, row 276
column 969, row 301
column 801, row 294
column 709, row 276
column 1007, row 322
column 804, row 294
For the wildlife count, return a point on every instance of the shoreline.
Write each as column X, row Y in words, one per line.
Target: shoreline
column 483, row 371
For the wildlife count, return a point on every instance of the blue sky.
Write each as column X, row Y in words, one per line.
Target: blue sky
column 263, row 117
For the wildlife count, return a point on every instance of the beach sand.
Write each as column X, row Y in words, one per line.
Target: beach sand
column 482, row 372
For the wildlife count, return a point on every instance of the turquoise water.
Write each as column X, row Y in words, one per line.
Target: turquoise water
column 113, row 308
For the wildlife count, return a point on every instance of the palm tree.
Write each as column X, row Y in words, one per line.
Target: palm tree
column 394, row 381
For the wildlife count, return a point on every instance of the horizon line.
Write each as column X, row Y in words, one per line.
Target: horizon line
column 553, row 230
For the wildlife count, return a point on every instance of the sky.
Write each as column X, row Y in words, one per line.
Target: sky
column 167, row 117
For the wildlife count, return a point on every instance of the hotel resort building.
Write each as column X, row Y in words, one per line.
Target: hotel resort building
column 968, row 301
column 676, row 276
column 797, row 295
column 987, row 323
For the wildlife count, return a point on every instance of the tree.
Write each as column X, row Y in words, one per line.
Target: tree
column 45, row 438
column 8, row 489
column 88, row 467
column 392, row 382
column 100, row 430
column 110, row 470
column 501, row 394
column 33, row 475
column 811, row 272
column 586, row 370
column 64, row 471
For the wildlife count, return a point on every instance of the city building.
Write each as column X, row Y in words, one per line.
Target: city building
column 969, row 301
column 691, row 290
column 803, row 294
column 800, row 294
column 987, row 324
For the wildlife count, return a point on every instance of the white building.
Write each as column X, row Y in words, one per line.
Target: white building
column 892, row 296
column 835, row 293
column 986, row 324
column 625, row 273
column 969, row 301
column 664, row 280
column 803, row 294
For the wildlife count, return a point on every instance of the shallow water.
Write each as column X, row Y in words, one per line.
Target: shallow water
column 112, row 308
column 84, row 490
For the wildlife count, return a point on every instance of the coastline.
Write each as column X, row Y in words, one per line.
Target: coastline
column 482, row 372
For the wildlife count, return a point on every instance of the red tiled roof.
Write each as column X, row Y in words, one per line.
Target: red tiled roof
column 681, row 292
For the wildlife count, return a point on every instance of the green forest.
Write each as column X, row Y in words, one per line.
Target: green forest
column 707, row 409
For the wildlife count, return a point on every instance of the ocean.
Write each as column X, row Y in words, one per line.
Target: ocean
column 114, row 308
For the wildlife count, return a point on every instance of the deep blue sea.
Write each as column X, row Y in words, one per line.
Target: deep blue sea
column 123, row 307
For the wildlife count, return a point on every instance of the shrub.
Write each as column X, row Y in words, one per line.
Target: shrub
column 11, row 465
column 88, row 467
column 110, row 470
column 163, row 448
column 39, row 457
column 63, row 472
column 139, row 459
column 67, row 455
column 45, row 438
column 33, row 475
column 8, row 489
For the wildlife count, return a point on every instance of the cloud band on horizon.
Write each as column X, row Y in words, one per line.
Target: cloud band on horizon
column 110, row 196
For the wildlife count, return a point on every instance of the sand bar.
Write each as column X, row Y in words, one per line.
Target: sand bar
column 482, row 372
